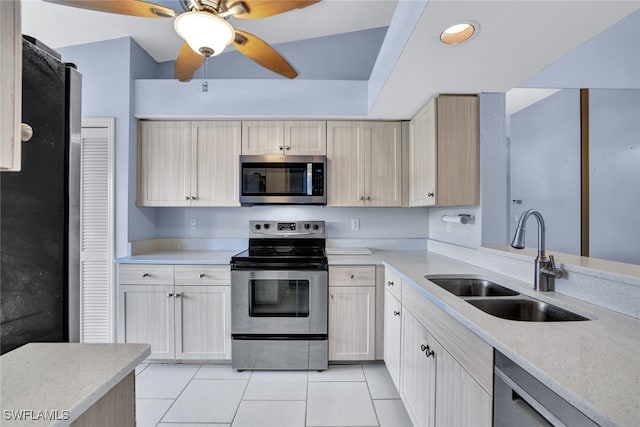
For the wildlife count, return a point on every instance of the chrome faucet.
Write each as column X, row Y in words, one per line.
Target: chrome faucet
column 546, row 272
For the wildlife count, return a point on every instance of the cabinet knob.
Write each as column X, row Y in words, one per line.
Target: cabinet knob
column 368, row 197
column 187, row 197
column 280, row 148
column 331, row 296
column 287, row 147
column 389, row 283
column 193, row 197
column 177, row 295
column 396, row 313
column 144, row 275
column 170, row 294
column 351, row 276
column 361, row 197
column 202, row 275
column 427, row 351
column 430, row 194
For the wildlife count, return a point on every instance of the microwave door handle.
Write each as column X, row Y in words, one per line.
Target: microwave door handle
column 309, row 179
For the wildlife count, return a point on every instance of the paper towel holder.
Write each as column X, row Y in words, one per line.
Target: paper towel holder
column 458, row 219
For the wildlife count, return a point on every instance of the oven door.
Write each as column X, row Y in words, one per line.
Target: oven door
column 279, row 303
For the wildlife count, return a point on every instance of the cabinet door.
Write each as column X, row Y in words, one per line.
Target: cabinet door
column 352, row 323
column 346, row 163
column 458, row 151
column 203, row 322
column 422, row 157
column 392, row 336
column 262, row 137
column 305, row 138
column 164, row 164
column 10, row 86
column 460, row 401
column 215, row 158
column 147, row 316
column 418, row 378
column 383, row 164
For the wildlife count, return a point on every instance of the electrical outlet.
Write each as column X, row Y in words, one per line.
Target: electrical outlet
column 355, row 224
column 194, row 224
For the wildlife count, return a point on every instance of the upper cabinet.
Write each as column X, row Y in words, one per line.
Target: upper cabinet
column 364, row 163
column 444, row 152
column 10, row 86
column 184, row 163
column 284, row 138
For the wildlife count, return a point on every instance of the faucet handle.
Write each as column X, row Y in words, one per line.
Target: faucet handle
column 552, row 262
column 552, row 270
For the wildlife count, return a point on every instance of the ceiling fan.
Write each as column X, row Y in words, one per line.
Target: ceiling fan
column 205, row 28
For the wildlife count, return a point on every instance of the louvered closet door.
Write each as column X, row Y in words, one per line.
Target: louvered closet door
column 96, row 234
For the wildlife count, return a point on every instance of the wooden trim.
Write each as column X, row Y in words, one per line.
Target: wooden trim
column 584, row 172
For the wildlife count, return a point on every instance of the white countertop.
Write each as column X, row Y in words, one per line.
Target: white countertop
column 594, row 365
column 62, row 377
column 180, row 257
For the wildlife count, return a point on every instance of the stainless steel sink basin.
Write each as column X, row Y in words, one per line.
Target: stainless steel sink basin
column 526, row 310
column 471, row 287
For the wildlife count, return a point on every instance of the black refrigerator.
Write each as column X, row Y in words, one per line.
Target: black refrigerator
column 39, row 208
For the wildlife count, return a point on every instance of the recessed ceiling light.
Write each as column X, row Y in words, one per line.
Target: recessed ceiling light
column 458, row 33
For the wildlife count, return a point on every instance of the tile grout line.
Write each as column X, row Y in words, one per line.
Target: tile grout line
column 235, row 414
column 179, row 394
column 366, row 380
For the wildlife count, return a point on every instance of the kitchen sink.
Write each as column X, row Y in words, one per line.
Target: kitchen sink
column 471, row 286
column 526, row 310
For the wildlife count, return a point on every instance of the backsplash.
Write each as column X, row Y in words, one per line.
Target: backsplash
column 233, row 223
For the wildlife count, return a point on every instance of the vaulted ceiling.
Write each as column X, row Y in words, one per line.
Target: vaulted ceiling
column 392, row 44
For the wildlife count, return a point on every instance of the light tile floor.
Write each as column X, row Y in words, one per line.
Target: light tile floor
column 217, row 395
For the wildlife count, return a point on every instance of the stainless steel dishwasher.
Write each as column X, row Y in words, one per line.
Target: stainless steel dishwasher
column 521, row 400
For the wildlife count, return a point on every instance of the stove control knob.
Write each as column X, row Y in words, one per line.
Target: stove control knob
column 316, row 227
column 307, row 226
column 266, row 226
column 258, row 226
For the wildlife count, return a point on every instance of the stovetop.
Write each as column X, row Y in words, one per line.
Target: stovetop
column 291, row 245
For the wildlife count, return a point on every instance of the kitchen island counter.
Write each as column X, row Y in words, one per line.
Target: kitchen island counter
column 61, row 383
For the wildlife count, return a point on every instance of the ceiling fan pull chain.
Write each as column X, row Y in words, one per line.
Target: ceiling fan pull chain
column 205, row 83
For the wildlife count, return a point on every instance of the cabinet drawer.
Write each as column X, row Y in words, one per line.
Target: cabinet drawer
column 203, row 274
column 393, row 283
column 352, row 275
column 145, row 274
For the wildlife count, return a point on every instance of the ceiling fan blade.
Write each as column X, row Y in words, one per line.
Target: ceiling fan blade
column 258, row 50
column 187, row 63
column 264, row 8
column 122, row 7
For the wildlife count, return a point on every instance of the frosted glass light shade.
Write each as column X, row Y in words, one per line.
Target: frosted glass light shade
column 204, row 32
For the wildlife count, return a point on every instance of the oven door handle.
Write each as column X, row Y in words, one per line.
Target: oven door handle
column 528, row 404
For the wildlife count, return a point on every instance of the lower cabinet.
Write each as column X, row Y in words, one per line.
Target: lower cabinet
column 392, row 336
column 352, row 311
column 418, row 382
column 186, row 318
column 445, row 370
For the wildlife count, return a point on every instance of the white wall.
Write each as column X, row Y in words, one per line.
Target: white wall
column 545, row 169
column 614, row 175
column 231, row 223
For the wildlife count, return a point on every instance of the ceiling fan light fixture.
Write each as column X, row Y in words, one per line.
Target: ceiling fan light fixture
column 204, row 32
column 458, row 33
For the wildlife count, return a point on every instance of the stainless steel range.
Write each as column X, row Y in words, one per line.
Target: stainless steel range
column 279, row 291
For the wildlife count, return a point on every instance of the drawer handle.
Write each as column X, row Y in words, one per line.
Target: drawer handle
column 145, row 275
column 389, row 283
column 202, row 275
column 351, row 276
column 397, row 313
column 170, row 294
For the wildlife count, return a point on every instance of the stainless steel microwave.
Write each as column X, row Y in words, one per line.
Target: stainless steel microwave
column 283, row 180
